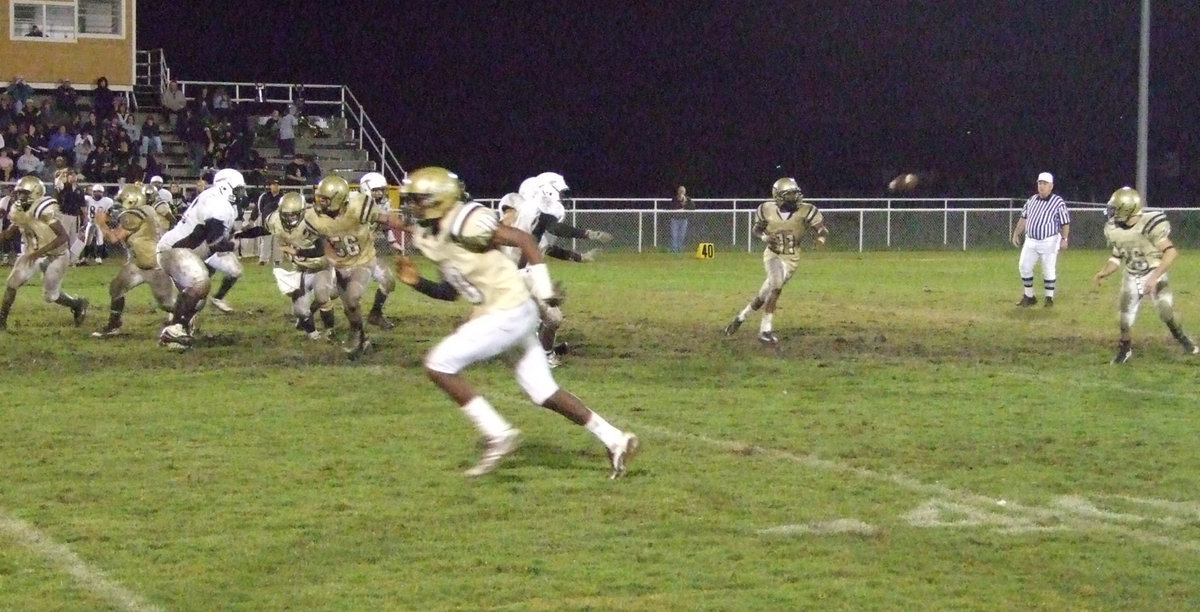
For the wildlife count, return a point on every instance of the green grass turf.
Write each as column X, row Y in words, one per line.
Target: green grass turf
column 915, row 442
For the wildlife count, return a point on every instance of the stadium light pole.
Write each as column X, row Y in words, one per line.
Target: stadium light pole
column 1143, row 100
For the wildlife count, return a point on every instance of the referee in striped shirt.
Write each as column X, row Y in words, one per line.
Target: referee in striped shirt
column 1046, row 225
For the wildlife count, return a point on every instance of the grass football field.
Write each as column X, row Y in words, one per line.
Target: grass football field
column 916, row 442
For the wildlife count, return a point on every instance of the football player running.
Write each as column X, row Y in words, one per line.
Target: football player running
column 537, row 209
column 780, row 223
column 346, row 223
column 463, row 239
column 374, row 186
column 139, row 226
column 205, row 224
column 312, row 286
column 1141, row 243
column 44, row 243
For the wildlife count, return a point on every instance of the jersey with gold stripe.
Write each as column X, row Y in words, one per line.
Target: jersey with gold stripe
column 35, row 225
column 300, row 238
column 352, row 232
column 785, row 229
column 460, row 245
column 145, row 227
column 1137, row 246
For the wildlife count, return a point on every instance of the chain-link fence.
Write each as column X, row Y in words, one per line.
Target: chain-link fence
column 889, row 225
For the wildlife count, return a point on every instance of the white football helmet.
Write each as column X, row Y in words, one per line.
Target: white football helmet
column 371, row 181
column 230, row 183
column 554, row 180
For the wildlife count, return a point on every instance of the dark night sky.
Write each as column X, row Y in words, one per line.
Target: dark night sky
column 632, row 98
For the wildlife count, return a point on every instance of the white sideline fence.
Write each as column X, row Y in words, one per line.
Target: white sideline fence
column 854, row 224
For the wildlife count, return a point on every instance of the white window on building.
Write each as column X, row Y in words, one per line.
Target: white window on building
column 101, row 18
column 49, row 21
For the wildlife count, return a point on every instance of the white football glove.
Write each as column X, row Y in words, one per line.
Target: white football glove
column 589, row 256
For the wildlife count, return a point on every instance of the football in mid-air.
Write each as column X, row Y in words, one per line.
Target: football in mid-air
column 904, row 182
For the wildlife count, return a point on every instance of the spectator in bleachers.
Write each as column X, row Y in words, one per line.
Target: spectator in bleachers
column 202, row 103
column 287, row 132
column 12, row 139
column 173, row 103
column 36, row 138
column 191, row 131
column 128, row 121
column 62, row 144
column 294, row 172
column 85, row 143
column 29, row 163
column 66, row 99
column 123, row 155
column 8, row 114
column 312, row 170
column 20, row 92
column 100, row 165
column 46, row 117
column 91, row 125
column 103, row 100
column 220, row 103
column 8, row 168
column 256, row 167
column 151, row 140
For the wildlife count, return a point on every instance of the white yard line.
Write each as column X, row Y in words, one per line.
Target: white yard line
column 87, row 576
column 1064, row 512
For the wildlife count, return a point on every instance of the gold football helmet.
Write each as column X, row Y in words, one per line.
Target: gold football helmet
column 150, row 190
column 1125, row 204
column 29, row 191
column 432, row 191
column 291, row 210
column 132, row 196
column 786, row 191
column 332, row 193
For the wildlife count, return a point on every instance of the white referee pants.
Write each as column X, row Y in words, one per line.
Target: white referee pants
column 1044, row 250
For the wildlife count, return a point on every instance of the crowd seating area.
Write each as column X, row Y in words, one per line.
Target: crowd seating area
column 113, row 137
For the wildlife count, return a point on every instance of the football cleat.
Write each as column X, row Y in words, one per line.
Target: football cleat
column 733, row 326
column 552, row 359
column 79, row 311
column 378, row 320
column 1124, row 353
column 107, row 332
column 175, row 336
column 315, row 335
column 1049, row 303
column 1027, row 301
column 620, row 454
column 222, row 305
column 1189, row 347
column 359, row 349
column 768, row 337
column 562, row 348
column 497, row 448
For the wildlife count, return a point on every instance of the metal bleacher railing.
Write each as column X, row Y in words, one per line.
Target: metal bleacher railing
column 331, row 100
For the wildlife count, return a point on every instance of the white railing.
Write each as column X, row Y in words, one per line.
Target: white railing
column 643, row 225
